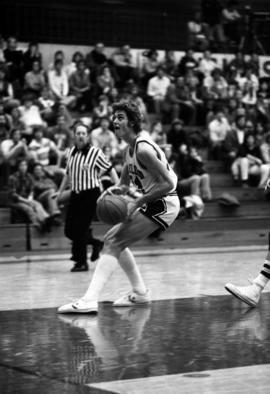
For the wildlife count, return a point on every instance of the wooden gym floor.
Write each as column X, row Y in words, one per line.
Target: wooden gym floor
column 194, row 338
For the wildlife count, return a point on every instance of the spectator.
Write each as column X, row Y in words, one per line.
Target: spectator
column 265, row 148
column 105, row 81
column 44, row 189
column 237, row 63
column 44, row 151
column 158, row 134
column 6, row 89
column 136, row 96
column 2, row 48
column 149, row 66
column 30, row 56
column 262, row 110
column 103, row 137
column 34, row 80
column 61, row 134
column 234, row 140
column 101, row 110
column 264, row 89
column 21, row 187
column 176, row 135
column 231, row 21
column 59, row 55
column 14, row 149
column 212, row 16
column 253, row 63
column 157, row 88
column 249, row 84
column 218, row 130
column 231, row 110
column 95, row 60
column 80, row 87
column 124, row 66
column 207, row 64
column 193, row 179
column 178, row 101
column 215, row 85
column 169, row 63
column 14, row 61
column 30, row 116
column 58, row 83
column 188, row 61
column 248, row 80
column 197, row 33
column 250, row 163
column 15, row 118
column 73, row 65
column 5, row 118
column 47, row 106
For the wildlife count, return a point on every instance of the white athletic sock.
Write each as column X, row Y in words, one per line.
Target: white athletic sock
column 104, row 269
column 129, row 266
column 262, row 280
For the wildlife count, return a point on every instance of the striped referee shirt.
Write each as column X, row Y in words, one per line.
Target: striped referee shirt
column 84, row 166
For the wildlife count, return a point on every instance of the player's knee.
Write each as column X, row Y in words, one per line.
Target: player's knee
column 196, row 179
column 111, row 247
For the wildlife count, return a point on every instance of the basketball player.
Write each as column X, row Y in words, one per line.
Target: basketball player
column 157, row 207
column 251, row 294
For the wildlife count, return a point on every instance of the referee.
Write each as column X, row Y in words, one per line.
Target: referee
column 84, row 165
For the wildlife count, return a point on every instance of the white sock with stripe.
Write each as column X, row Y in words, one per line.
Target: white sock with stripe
column 129, row 266
column 264, row 276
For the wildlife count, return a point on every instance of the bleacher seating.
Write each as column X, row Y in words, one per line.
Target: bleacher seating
column 247, row 224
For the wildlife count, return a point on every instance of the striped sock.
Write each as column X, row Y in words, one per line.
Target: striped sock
column 264, row 276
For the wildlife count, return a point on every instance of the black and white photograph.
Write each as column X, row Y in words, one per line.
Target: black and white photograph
column 135, row 197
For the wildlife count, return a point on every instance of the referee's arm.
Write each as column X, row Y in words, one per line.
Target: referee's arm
column 62, row 187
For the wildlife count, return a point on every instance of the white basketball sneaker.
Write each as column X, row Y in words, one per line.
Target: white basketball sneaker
column 249, row 294
column 80, row 306
column 133, row 299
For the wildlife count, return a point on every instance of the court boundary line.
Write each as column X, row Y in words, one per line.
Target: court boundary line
column 18, row 257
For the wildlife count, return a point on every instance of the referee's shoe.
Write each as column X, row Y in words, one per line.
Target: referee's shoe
column 79, row 267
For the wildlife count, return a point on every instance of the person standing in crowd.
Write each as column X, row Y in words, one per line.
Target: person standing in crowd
column 84, row 166
column 156, row 207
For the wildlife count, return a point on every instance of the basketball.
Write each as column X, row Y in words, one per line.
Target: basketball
column 112, row 209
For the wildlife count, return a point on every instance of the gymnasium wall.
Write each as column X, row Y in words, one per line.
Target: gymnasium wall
column 141, row 23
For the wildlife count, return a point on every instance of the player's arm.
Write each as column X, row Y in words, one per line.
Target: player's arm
column 163, row 182
column 124, row 179
column 121, row 186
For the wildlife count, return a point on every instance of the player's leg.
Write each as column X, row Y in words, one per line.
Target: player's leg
column 116, row 240
column 251, row 294
column 128, row 264
column 159, row 214
column 244, row 170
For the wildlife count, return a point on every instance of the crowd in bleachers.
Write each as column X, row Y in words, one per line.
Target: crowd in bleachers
column 187, row 105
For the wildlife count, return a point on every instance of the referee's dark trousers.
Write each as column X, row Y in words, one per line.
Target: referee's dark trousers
column 80, row 212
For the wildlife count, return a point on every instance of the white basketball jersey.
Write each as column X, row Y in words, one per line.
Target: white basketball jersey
column 138, row 172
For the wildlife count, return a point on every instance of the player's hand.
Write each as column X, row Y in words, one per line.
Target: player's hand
column 115, row 190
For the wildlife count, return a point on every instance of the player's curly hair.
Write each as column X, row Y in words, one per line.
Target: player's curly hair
column 133, row 113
